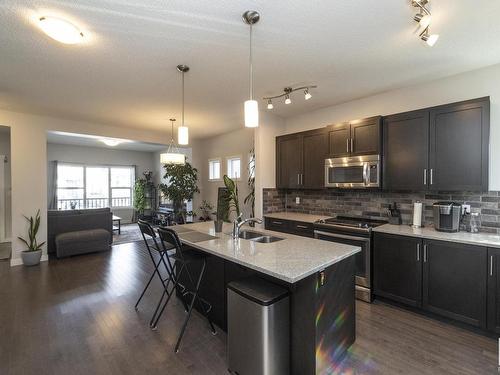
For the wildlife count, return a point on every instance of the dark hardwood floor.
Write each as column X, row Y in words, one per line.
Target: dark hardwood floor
column 76, row 316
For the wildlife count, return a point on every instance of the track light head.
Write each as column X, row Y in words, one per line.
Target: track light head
column 270, row 104
column 430, row 39
column 423, row 19
column 287, row 99
column 307, row 94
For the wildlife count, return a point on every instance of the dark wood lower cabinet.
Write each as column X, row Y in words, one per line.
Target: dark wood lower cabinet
column 494, row 290
column 298, row 228
column 397, row 272
column 454, row 281
column 445, row 278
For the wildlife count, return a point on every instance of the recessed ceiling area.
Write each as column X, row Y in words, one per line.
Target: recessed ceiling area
column 125, row 72
column 87, row 140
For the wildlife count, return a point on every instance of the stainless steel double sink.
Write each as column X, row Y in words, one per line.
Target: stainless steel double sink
column 258, row 237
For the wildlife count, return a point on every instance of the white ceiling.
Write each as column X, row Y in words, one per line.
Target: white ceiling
column 74, row 139
column 125, row 73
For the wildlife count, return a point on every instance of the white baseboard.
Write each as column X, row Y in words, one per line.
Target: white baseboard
column 19, row 262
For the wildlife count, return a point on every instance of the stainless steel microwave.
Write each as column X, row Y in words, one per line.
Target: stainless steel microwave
column 356, row 172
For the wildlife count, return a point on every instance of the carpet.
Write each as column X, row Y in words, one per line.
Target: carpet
column 129, row 233
column 5, row 250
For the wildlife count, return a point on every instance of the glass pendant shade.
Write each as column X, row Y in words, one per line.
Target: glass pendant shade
column 172, row 158
column 183, row 135
column 251, row 114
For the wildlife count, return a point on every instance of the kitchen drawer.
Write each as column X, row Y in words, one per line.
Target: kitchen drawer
column 278, row 225
column 301, row 229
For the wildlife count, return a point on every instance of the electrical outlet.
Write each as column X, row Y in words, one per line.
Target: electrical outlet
column 466, row 208
column 297, row 200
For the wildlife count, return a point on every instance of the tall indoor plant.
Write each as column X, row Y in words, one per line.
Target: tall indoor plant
column 180, row 187
column 140, row 196
column 33, row 254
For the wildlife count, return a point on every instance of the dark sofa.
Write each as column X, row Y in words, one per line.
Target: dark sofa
column 75, row 232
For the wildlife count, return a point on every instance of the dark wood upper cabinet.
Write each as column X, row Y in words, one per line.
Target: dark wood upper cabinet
column 300, row 160
column 459, row 141
column 289, row 161
column 339, row 138
column 360, row 137
column 493, row 290
column 454, row 281
column 397, row 268
column 406, row 151
column 366, row 136
column 315, row 151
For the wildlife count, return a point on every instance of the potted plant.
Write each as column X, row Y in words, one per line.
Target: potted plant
column 181, row 187
column 140, row 196
column 32, row 256
column 206, row 209
column 231, row 197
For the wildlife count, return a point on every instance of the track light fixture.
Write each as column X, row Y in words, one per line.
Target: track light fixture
column 286, row 93
column 424, row 18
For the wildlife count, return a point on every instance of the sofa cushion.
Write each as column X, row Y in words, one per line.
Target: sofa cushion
column 82, row 242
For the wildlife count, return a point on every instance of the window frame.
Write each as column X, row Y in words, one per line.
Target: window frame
column 210, row 169
column 228, row 163
column 110, row 187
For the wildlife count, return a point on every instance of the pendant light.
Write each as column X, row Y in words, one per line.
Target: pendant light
column 172, row 156
column 251, row 107
column 183, row 131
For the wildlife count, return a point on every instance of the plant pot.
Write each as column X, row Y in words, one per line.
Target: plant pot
column 218, row 225
column 31, row 258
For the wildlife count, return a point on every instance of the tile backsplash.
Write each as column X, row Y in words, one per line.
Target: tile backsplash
column 374, row 204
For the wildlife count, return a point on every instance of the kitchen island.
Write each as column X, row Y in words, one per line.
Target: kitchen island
column 318, row 274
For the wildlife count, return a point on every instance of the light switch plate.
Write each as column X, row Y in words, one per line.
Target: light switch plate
column 297, row 200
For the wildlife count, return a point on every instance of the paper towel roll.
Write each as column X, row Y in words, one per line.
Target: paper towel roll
column 417, row 214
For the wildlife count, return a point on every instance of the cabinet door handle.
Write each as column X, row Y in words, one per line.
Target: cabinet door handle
column 491, row 265
column 432, row 177
column 352, row 145
column 425, row 176
column 347, row 142
column 425, row 253
column 302, row 179
column 298, row 178
column 418, row 252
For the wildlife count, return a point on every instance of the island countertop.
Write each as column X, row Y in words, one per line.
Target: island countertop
column 291, row 259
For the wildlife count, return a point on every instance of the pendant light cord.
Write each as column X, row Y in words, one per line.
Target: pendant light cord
column 251, row 67
column 172, row 133
column 182, row 98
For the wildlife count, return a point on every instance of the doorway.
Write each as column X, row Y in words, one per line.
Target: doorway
column 5, row 195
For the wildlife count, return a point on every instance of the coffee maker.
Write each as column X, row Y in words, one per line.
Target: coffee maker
column 447, row 216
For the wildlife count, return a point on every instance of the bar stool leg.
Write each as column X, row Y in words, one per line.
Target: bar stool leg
column 202, row 306
column 195, row 295
column 149, row 282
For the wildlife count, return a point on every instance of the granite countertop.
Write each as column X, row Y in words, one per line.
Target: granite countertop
column 481, row 239
column 290, row 260
column 295, row 216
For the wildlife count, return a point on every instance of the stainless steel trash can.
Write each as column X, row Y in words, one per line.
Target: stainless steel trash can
column 258, row 328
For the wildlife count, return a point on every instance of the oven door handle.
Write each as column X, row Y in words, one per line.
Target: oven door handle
column 341, row 236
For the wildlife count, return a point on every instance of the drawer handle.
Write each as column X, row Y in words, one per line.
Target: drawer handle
column 277, row 222
column 302, row 227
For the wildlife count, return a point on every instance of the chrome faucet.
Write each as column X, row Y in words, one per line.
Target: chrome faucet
column 238, row 223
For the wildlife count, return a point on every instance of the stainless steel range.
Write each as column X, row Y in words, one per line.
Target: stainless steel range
column 354, row 231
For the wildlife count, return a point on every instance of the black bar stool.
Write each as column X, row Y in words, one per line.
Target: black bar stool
column 183, row 258
column 150, row 239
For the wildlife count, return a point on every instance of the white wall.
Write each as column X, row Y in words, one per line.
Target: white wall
column 236, row 143
column 5, row 150
column 478, row 83
column 144, row 161
column 29, row 163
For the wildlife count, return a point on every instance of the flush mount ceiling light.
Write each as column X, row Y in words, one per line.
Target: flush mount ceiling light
column 424, row 18
column 251, row 17
column 61, row 30
column 183, row 131
column 172, row 156
column 286, row 93
column 111, row 142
